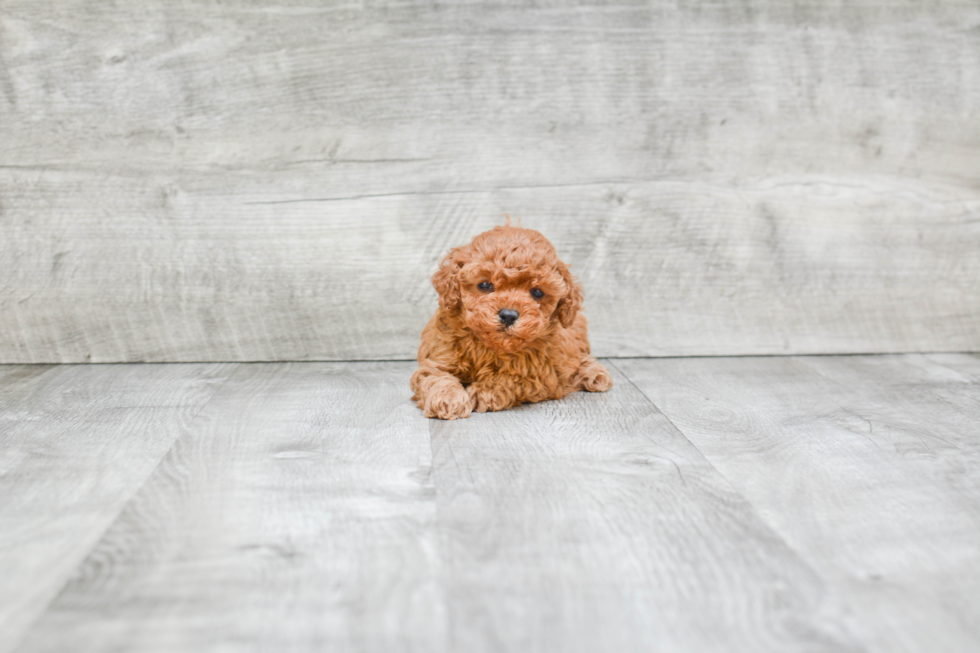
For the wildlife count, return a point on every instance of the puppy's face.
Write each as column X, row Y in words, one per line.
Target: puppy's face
column 509, row 307
column 509, row 287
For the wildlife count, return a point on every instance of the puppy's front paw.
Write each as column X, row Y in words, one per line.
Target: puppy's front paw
column 448, row 403
column 595, row 378
column 488, row 399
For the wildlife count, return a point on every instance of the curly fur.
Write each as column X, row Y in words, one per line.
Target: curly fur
column 470, row 360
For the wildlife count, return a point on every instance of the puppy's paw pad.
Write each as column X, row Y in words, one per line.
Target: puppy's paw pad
column 485, row 399
column 596, row 379
column 448, row 404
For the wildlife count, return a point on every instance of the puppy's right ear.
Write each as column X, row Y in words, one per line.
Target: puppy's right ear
column 447, row 280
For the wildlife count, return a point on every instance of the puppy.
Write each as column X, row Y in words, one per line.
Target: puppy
column 508, row 329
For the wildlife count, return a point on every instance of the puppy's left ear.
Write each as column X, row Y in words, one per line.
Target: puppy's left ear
column 571, row 301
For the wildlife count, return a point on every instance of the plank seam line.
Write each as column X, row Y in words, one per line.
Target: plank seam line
column 859, row 389
column 953, row 369
column 27, row 630
column 968, row 352
column 657, row 408
column 462, row 191
column 828, row 587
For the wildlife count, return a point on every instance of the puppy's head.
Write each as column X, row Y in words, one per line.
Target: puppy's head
column 508, row 286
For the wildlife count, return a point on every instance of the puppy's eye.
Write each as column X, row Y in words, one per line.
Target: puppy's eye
column 537, row 293
column 485, row 286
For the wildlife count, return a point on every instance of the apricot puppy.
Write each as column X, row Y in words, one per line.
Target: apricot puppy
column 508, row 329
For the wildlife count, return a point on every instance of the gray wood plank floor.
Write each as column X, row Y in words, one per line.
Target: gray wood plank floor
column 75, row 444
column 867, row 466
column 746, row 504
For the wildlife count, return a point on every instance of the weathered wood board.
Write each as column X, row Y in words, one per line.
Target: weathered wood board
column 266, row 181
column 592, row 524
column 867, row 466
column 822, row 503
column 297, row 514
column 312, row 507
column 76, row 442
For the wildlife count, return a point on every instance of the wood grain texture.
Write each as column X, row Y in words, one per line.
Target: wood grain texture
column 867, row 466
column 312, row 507
column 807, row 503
column 266, row 181
column 592, row 524
column 296, row 515
column 75, row 444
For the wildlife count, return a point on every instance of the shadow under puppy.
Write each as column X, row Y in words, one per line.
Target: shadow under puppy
column 508, row 329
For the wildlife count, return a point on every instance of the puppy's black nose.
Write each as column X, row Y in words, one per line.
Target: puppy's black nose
column 508, row 316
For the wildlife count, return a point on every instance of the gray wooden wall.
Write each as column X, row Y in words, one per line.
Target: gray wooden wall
column 276, row 180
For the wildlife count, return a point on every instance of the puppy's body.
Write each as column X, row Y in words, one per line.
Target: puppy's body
column 508, row 329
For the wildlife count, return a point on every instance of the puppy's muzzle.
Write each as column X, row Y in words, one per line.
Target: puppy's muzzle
column 508, row 316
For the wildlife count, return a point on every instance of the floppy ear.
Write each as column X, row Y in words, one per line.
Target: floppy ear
column 446, row 280
column 571, row 301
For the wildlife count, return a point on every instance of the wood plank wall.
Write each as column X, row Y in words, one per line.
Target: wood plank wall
column 277, row 180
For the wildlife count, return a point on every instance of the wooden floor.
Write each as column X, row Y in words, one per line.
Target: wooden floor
column 704, row 504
